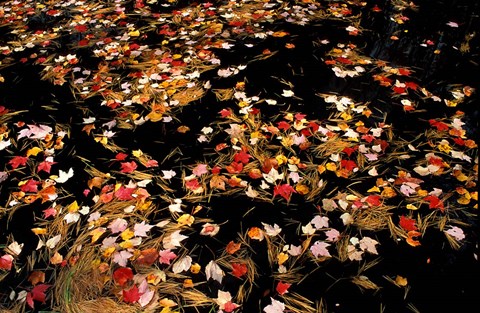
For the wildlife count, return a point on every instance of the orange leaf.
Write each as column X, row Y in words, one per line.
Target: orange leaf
column 36, row 277
column 232, row 247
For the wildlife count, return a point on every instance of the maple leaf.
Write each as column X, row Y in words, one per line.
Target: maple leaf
column 49, row 212
column 332, row 235
column 282, row 288
column 239, row 269
column 121, row 257
column 131, row 295
column 122, row 275
column 118, row 225
column 368, row 244
column 200, row 169
column 407, row 223
column 30, row 186
column 319, row 249
column 283, row 125
column 147, row 257
column 18, row 161
column 232, row 247
column 234, row 168
column 275, row 307
column 123, row 193
column 141, row 229
column 218, row 182
column 213, row 271
column 166, row 256
column 456, row 232
column 284, row 190
column 128, row 167
column 121, row 156
column 373, row 200
column 45, row 166
column 173, row 240
column 6, row 262
column 435, row 202
column 182, row 264
column 242, row 156
column 37, row 294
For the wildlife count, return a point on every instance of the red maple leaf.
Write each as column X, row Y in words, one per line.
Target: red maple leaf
column 37, row 294
column 121, row 156
column 124, row 193
column 131, row 295
column 128, row 167
column 300, row 116
column 225, row 113
column 440, row 126
column 30, row 186
column 81, row 28
column 18, row 161
column 349, row 150
column 400, row 90
column 349, row 165
column 283, row 125
column 239, row 269
column 122, row 275
column 435, row 203
column 45, row 166
column 373, row 200
column 404, row 72
column 242, row 156
column 284, row 190
column 234, row 168
column 407, row 223
column 282, row 288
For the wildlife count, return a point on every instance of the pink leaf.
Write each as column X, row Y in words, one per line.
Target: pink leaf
column 166, row 256
column 319, row 249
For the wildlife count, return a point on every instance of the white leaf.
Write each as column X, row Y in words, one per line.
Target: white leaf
column 182, row 264
column 52, row 242
column 272, row 230
column 173, row 240
column 275, row 307
column 15, row 248
column 64, row 176
column 212, row 270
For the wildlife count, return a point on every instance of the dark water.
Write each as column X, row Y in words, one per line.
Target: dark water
column 441, row 279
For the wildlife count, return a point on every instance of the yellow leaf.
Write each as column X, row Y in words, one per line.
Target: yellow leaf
column 388, row 192
column 195, row 268
column 127, row 244
column 137, row 153
column 108, row 252
column 134, row 33
column 401, row 281
column 39, row 231
column 127, row 234
column 34, row 151
column 374, row 189
column 411, row 207
column 282, row 257
column 474, row 195
column 422, row 193
column 96, row 233
column 176, row 56
column 188, row 283
column 463, row 200
column 186, row 219
column 167, row 303
column 302, row 189
column 73, row 207
column 331, row 166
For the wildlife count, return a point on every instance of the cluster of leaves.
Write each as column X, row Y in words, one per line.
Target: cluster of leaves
column 130, row 233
